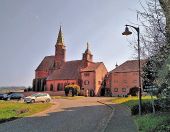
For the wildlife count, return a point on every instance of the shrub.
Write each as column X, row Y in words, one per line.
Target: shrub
column 92, row 93
column 66, row 91
column 133, row 91
column 164, row 127
column 146, row 108
column 75, row 89
column 163, row 103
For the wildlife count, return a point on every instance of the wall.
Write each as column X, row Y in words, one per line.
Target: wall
column 41, row 74
column 56, row 82
column 88, row 80
column 125, row 80
column 101, row 72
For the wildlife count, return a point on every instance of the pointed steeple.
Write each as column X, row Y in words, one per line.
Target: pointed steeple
column 60, row 50
column 87, row 50
column 87, row 56
column 60, row 39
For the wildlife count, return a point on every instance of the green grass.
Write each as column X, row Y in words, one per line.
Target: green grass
column 130, row 101
column 148, row 122
column 67, row 97
column 9, row 109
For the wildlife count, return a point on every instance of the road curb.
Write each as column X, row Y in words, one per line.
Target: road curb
column 110, row 117
column 106, row 104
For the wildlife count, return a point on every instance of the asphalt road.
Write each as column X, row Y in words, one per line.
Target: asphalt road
column 81, row 115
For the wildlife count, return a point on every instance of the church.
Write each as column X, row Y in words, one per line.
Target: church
column 54, row 72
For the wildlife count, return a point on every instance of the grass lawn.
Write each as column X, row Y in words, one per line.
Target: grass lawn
column 67, row 97
column 148, row 122
column 130, row 101
column 9, row 109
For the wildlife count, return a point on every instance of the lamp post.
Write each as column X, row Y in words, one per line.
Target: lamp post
column 127, row 32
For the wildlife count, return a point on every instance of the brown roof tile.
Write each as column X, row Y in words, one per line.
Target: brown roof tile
column 129, row 66
column 46, row 63
column 69, row 70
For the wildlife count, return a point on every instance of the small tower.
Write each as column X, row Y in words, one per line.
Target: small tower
column 87, row 56
column 116, row 65
column 60, row 50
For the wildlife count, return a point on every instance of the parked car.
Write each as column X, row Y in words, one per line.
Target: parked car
column 3, row 96
column 17, row 96
column 38, row 97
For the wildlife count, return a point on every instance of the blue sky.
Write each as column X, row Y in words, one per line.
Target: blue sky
column 29, row 28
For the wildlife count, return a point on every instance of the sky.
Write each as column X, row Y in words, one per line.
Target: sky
column 29, row 29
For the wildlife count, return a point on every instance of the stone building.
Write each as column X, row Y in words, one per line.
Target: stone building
column 54, row 72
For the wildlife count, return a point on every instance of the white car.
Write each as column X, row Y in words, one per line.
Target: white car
column 38, row 97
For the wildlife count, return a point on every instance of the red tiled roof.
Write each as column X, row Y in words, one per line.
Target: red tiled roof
column 46, row 63
column 92, row 67
column 129, row 66
column 69, row 70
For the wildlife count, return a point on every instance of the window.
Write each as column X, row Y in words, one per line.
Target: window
column 124, row 81
column 65, row 84
column 115, row 89
column 86, row 82
column 134, row 81
column 51, row 87
column 59, row 87
column 86, row 74
column 123, row 89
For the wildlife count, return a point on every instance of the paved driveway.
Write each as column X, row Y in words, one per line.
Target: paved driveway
column 81, row 115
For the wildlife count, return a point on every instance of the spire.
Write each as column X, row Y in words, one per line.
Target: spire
column 60, row 39
column 87, row 45
column 87, row 50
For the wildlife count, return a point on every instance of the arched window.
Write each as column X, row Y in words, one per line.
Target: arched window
column 51, row 87
column 59, row 87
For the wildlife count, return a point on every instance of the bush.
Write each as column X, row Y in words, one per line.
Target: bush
column 163, row 103
column 92, row 93
column 66, row 91
column 75, row 89
column 133, row 91
column 146, row 108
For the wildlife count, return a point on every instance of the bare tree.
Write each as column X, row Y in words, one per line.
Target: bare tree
column 152, row 21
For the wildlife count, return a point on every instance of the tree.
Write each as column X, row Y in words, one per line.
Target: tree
column 152, row 23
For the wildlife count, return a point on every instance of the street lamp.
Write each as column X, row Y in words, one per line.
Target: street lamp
column 127, row 32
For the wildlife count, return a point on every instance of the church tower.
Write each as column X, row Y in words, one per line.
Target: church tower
column 87, row 56
column 60, row 50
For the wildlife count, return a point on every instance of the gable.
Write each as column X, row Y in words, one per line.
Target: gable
column 46, row 63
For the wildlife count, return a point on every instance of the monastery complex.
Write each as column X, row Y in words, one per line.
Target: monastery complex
column 55, row 72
